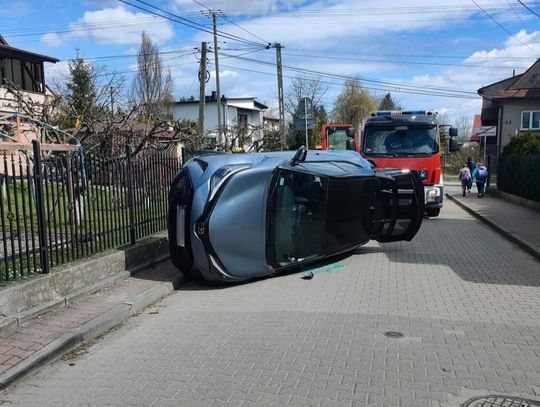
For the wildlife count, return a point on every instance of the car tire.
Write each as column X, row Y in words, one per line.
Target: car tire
column 433, row 212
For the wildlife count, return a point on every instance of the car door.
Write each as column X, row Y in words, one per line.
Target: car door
column 398, row 207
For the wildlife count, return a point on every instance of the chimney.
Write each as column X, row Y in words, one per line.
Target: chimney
column 513, row 73
column 214, row 95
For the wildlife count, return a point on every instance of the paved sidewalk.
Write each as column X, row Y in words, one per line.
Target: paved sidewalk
column 50, row 335
column 516, row 222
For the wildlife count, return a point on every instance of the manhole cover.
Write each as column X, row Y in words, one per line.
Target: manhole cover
column 501, row 401
column 393, row 334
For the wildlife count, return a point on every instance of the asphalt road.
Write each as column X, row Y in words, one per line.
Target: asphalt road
column 466, row 300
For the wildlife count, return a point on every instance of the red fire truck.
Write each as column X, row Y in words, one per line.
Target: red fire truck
column 408, row 140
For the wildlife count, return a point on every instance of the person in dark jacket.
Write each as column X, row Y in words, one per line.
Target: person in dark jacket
column 472, row 166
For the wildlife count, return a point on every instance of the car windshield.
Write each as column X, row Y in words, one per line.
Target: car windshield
column 400, row 141
column 338, row 140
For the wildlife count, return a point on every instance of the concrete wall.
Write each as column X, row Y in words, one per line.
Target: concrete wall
column 511, row 117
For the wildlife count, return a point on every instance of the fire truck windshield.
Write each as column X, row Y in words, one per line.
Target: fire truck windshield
column 401, row 141
column 338, row 140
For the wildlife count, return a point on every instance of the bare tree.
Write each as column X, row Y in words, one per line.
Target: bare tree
column 304, row 86
column 153, row 86
column 464, row 126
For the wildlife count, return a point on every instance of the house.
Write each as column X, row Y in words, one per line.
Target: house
column 512, row 106
column 271, row 123
column 238, row 113
column 23, row 70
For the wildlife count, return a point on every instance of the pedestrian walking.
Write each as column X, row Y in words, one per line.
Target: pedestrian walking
column 472, row 166
column 480, row 175
column 465, row 178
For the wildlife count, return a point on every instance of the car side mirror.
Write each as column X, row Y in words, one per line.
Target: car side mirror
column 299, row 156
column 453, row 132
column 350, row 132
column 350, row 144
column 453, row 145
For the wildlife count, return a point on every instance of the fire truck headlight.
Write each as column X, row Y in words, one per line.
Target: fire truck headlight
column 432, row 194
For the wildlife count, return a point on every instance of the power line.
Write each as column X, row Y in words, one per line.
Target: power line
column 517, row 15
column 189, row 22
column 528, row 8
column 500, row 25
column 397, row 62
column 393, row 89
column 364, row 79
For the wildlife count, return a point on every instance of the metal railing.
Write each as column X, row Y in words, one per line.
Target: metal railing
column 60, row 206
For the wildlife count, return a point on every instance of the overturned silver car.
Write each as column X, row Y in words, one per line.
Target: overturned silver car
column 234, row 217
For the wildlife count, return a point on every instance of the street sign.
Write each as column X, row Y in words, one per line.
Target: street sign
column 300, row 124
column 486, row 131
column 305, row 108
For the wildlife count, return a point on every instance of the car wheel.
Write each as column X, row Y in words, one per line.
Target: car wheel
column 433, row 212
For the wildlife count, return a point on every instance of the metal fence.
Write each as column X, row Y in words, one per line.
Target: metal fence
column 520, row 175
column 60, row 206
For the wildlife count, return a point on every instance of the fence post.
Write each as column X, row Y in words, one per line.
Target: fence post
column 131, row 203
column 40, row 208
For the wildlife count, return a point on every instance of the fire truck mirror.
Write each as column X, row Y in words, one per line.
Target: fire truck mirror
column 350, row 144
column 453, row 145
column 350, row 132
column 453, row 131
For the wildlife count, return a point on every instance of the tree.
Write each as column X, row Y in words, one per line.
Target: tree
column 464, row 126
column 353, row 104
column 304, row 86
column 152, row 86
column 82, row 87
column 388, row 103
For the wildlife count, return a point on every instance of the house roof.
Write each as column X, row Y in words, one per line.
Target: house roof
column 12, row 52
column 523, row 86
column 477, row 122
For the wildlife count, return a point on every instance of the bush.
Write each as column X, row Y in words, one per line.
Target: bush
column 453, row 162
column 524, row 144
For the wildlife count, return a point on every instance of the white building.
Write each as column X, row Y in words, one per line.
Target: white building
column 235, row 112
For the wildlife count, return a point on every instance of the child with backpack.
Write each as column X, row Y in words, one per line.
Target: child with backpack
column 465, row 178
column 480, row 174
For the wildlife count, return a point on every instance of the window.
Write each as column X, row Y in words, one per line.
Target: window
column 530, row 120
column 23, row 74
column 297, row 218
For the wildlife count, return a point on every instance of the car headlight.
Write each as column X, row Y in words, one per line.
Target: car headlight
column 222, row 174
column 432, row 194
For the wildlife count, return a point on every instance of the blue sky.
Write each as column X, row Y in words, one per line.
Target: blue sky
column 437, row 47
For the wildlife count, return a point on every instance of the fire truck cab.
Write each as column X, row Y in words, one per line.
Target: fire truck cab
column 409, row 140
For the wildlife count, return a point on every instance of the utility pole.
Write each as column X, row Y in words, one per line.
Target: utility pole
column 112, row 101
column 202, row 83
column 218, row 90
column 278, row 47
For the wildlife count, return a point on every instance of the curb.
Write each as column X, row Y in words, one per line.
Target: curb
column 95, row 327
column 523, row 244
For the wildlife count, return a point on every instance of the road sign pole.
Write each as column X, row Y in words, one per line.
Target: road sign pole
column 305, row 121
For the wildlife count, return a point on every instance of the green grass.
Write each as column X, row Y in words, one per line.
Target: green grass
column 104, row 224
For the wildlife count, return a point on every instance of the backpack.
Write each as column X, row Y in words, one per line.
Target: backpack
column 481, row 174
column 465, row 175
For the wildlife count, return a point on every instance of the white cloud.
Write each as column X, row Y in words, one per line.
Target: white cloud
column 521, row 51
column 114, row 26
column 51, row 40
column 56, row 74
